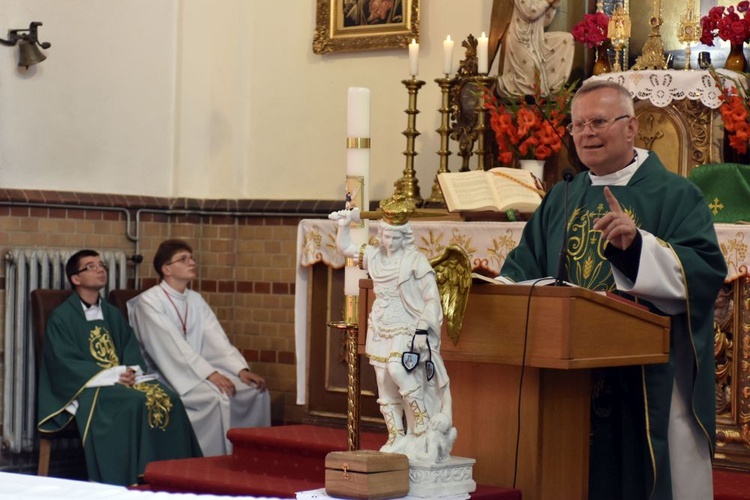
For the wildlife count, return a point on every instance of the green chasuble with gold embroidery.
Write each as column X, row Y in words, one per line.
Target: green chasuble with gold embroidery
column 122, row 428
column 629, row 449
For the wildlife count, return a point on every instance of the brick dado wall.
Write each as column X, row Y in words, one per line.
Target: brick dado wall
column 246, row 253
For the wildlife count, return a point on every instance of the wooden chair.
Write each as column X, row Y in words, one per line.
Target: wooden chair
column 119, row 299
column 43, row 302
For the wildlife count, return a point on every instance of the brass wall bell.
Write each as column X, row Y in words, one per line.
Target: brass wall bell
column 28, row 45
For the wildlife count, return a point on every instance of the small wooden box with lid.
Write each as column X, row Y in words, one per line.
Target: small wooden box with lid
column 367, row 474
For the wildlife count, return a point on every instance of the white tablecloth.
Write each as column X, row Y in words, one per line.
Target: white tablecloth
column 487, row 244
column 25, row 487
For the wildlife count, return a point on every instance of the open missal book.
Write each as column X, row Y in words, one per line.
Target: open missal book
column 498, row 189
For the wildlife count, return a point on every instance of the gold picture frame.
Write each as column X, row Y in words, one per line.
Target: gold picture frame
column 365, row 24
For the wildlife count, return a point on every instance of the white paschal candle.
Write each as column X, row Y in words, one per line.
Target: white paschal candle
column 413, row 57
column 448, row 55
column 358, row 167
column 482, row 55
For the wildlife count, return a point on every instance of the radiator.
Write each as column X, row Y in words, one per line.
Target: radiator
column 25, row 271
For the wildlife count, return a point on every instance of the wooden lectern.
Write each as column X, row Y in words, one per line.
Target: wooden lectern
column 570, row 331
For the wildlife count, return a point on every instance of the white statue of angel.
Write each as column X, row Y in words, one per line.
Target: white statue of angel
column 403, row 337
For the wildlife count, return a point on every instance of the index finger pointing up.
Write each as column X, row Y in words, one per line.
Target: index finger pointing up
column 614, row 205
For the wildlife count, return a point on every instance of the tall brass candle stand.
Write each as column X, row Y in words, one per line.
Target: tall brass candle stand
column 408, row 185
column 483, row 83
column 352, row 358
column 436, row 198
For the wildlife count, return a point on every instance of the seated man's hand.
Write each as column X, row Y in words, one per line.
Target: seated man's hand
column 127, row 377
column 224, row 384
column 251, row 378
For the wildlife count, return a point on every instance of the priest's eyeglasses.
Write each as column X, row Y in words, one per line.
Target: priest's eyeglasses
column 596, row 124
column 182, row 260
column 93, row 266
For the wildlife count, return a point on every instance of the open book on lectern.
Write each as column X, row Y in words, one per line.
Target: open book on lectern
column 546, row 281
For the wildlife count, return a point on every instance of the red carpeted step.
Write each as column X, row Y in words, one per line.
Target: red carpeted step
column 296, row 451
column 271, row 461
column 731, row 485
column 220, row 476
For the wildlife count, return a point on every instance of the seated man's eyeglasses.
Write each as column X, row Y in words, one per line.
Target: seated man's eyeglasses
column 93, row 266
column 182, row 260
column 596, row 124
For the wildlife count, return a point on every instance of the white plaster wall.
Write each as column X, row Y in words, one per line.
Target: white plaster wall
column 209, row 99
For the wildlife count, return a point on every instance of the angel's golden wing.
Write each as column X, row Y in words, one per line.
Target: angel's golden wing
column 453, row 276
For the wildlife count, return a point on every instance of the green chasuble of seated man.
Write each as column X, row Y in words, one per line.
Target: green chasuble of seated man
column 122, row 428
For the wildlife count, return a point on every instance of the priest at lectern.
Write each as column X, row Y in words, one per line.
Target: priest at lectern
column 632, row 227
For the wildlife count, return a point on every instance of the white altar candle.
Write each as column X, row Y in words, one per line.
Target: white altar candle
column 357, row 168
column 413, row 57
column 358, row 112
column 482, row 55
column 448, row 55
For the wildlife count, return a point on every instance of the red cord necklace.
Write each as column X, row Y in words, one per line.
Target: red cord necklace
column 182, row 321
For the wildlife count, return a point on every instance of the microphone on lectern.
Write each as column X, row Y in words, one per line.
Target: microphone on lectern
column 567, row 176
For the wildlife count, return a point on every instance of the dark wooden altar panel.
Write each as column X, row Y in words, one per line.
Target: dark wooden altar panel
column 327, row 367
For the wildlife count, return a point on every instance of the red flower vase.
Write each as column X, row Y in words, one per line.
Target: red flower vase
column 602, row 64
column 736, row 59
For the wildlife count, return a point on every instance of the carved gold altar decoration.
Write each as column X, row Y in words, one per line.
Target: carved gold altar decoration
column 618, row 32
column 464, row 104
column 688, row 32
column 683, row 134
column 652, row 56
column 732, row 354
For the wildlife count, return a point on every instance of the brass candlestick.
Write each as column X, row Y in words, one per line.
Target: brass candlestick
column 352, row 359
column 483, row 83
column 436, row 198
column 688, row 32
column 408, row 185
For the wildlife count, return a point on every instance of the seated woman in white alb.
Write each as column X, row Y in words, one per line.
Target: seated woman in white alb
column 183, row 341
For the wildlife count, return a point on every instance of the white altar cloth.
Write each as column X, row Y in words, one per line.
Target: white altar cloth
column 26, row 487
column 661, row 87
column 487, row 244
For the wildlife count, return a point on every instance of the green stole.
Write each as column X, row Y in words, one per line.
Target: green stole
column 629, row 451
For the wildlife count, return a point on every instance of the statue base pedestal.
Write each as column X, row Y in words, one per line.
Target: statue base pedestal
column 453, row 477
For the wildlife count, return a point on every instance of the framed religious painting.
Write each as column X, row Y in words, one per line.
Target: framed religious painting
column 365, row 24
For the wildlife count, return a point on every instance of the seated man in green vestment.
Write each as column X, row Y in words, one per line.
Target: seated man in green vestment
column 634, row 228
column 92, row 368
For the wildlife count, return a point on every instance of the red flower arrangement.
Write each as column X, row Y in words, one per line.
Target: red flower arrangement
column 735, row 111
column 727, row 24
column 524, row 131
column 592, row 30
